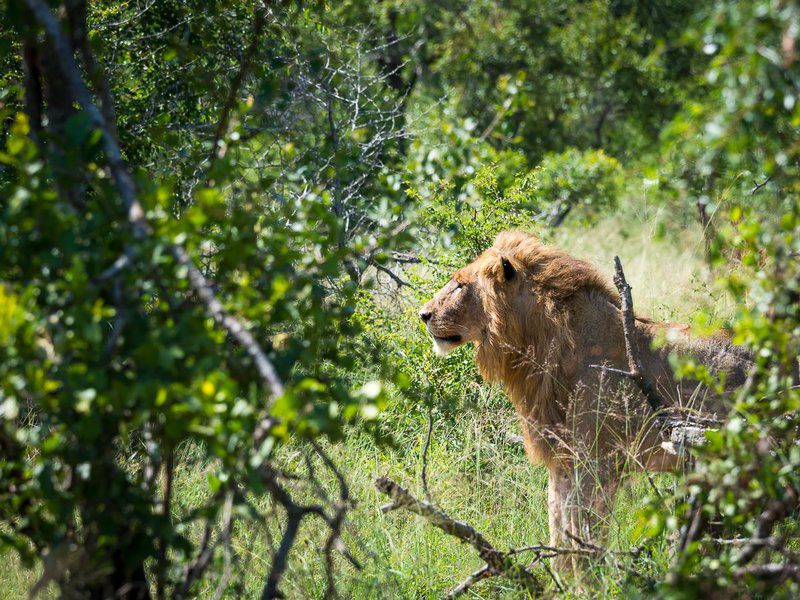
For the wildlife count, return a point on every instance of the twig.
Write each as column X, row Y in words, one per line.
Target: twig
column 226, row 546
column 775, row 511
column 694, row 527
column 771, row 572
column 771, row 542
column 483, row 573
column 758, row 186
column 195, row 570
column 394, row 276
column 600, row 552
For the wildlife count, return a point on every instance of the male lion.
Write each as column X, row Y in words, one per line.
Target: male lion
column 539, row 319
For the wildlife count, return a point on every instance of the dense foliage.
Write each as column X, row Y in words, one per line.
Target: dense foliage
column 307, row 174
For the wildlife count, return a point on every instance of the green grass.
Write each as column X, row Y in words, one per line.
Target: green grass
column 476, row 474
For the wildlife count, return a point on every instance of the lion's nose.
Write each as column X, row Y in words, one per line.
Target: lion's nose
column 425, row 316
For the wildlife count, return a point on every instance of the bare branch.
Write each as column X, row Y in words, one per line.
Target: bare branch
column 281, row 557
column 636, row 371
column 770, row 572
column 335, row 523
column 194, row 571
column 758, row 186
column 775, row 511
column 395, row 277
column 483, row 573
column 686, row 427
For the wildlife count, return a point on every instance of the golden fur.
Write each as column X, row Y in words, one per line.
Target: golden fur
column 539, row 320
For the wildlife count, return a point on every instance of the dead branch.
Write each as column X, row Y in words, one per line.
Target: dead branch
column 680, row 429
column 399, row 281
column 497, row 562
column 483, row 573
column 758, row 186
column 635, row 369
column 770, row 572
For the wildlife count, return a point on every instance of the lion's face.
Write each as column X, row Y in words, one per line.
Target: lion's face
column 453, row 316
column 456, row 314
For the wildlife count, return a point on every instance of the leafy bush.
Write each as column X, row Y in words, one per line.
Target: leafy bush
column 733, row 517
column 587, row 183
column 142, row 315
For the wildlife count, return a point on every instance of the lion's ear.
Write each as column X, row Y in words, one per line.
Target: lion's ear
column 508, row 269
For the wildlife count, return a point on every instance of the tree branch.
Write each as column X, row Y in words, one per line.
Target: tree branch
column 635, row 368
column 683, row 428
column 497, row 562
column 194, row 571
column 236, row 84
column 394, row 276
column 136, row 215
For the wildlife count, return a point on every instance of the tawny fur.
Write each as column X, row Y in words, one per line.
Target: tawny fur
column 539, row 320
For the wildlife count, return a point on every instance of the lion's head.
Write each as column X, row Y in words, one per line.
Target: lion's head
column 504, row 292
column 459, row 312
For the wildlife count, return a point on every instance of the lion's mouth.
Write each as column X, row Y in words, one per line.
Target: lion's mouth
column 449, row 339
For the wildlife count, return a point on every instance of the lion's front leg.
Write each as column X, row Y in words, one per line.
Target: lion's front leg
column 579, row 501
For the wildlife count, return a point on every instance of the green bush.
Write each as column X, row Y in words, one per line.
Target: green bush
column 581, row 183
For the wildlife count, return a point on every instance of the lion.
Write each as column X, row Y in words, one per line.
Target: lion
column 541, row 322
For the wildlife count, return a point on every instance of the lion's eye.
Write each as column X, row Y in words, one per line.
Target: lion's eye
column 458, row 288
